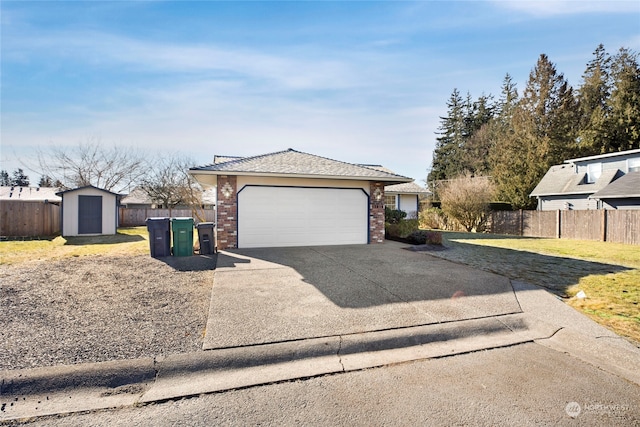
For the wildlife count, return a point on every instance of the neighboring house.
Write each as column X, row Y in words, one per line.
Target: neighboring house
column 138, row 198
column 290, row 198
column 89, row 211
column 405, row 197
column 30, row 194
column 606, row 181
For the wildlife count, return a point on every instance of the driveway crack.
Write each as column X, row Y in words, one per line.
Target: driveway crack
column 338, row 353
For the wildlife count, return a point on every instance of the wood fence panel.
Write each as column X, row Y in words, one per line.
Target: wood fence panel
column 136, row 217
column 623, row 226
column 29, row 219
column 506, row 222
column 539, row 224
column 584, row 225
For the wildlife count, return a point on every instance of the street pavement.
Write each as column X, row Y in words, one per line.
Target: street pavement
column 480, row 348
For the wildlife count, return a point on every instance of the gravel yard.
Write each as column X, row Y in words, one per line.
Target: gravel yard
column 101, row 307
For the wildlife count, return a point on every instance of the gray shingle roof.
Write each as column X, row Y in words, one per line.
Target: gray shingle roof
column 406, row 188
column 627, row 186
column 295, row 163
column 562, row 180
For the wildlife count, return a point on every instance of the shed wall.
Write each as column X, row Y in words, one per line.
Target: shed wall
column 70, row 211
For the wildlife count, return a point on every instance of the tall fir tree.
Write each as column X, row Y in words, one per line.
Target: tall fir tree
column 446, row 156
column 544, row 133
column 595, row 114
column 624, row 102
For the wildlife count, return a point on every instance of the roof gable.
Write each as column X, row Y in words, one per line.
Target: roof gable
column 562, row 180
column 297, row 164
column 61, row 193
column 406, row 188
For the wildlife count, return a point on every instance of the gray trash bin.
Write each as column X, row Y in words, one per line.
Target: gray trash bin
column 207, row 237
column 159, row 236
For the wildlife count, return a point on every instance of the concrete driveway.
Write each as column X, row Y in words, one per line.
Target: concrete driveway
column 281, row 294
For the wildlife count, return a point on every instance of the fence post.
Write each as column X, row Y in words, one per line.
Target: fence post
column 521, row 222
column 558, row 224
column 604, row 225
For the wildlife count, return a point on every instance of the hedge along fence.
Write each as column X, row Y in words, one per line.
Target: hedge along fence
column 619, row 226
column 29, row 219
column 135, row 217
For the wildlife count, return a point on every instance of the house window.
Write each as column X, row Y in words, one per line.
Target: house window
column 634, row 165
column 390, row 202
column 594, row 170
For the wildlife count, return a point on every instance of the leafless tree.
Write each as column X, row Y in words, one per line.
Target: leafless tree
column 168, row 183
column 466, row 199
column 113, row 168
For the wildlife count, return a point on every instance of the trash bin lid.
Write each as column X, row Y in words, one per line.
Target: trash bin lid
column 206, row 225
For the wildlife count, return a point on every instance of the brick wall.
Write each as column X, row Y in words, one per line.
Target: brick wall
column 376, row 213
column 227, row 212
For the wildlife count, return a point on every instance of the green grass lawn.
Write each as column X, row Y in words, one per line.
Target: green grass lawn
column 608, row 273
column 128, row 241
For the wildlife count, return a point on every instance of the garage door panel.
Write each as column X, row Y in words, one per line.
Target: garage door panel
column 295, row 216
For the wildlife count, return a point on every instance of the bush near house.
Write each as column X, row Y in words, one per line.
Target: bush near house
column 393, row 216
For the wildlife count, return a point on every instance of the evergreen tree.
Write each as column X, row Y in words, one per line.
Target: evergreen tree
column 45, row 181
column 446, row 156
column 544, row 133
column 20, row 179
column 5, row 181
column 595, row 130
column 624, row 102
column 479, row 141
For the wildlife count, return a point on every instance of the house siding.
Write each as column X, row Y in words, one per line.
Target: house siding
column 618, row 162
column 409, row 204
column 622, row 204
column 558, row 203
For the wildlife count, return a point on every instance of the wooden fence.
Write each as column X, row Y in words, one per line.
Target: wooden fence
column 29, row 219
column 620, row 226
column 135, row 217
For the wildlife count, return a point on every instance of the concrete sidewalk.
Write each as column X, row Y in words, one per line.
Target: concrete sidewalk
column 540, row 318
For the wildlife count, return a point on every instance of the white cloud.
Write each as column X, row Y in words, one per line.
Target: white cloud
column 568, row 7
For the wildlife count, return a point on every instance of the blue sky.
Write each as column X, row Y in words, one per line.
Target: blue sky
column 362, row 82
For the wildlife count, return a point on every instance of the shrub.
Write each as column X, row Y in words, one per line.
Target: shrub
column 433, row 218
column 402, row 229
column 466, row 199
column 393, row 216
column 422, row 237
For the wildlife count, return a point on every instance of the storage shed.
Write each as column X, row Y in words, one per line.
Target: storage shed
column 89, row 211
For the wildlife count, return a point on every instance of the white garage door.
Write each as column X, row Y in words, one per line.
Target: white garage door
column 296, row 216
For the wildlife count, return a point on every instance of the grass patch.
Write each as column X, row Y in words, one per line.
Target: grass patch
column 128, row 241
column 609, row 273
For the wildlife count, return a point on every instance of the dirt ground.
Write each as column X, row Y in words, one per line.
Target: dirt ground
column 98, row 308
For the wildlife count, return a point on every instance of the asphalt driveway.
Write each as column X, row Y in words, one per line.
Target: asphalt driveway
column 281, row 294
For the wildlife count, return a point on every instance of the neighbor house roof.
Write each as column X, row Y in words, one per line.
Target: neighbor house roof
column 30, row 194
column 624, row 187
column 406, row 188
column 292, row 163
column 562, row 180
column 603, row 156
column 139, row 197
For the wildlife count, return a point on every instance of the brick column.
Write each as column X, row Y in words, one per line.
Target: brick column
column 227, row 227
column 376, row 213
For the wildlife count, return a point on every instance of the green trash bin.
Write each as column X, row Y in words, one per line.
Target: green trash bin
column 182, row 236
